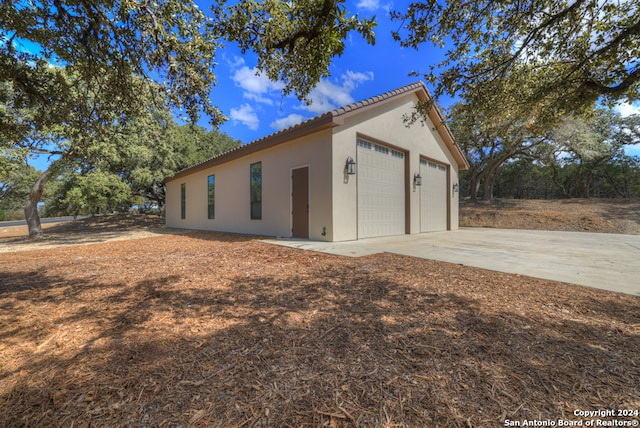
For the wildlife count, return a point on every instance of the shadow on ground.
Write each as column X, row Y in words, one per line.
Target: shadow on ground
column 226, row 331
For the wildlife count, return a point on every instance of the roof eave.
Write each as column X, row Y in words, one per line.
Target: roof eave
column 335, row 118
column 312, row 126
column 436, row 117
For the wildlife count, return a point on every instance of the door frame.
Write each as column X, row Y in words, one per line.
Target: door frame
column 291, row 170
column 447, row 189
column 407, row 179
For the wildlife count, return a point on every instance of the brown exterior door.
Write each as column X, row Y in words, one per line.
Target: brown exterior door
column 300, row 202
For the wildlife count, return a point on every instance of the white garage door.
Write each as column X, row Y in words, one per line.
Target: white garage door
column 381, row 197
column 433, row 197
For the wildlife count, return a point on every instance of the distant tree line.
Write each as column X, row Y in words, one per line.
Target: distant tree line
column 618, row 177
column 536, row 83
column 89, row 84
column 141, row 155
column 511, row 156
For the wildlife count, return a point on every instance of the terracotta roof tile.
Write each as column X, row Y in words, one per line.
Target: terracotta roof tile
column 310, row 124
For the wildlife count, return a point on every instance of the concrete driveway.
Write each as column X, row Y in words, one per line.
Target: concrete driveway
column 606, row 261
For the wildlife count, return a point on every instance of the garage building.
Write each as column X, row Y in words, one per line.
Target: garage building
column 355, row 172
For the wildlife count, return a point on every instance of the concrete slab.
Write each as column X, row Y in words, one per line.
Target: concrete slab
column 605, row 261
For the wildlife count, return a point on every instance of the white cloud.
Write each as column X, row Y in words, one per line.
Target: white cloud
column 256, row 86
column 373, row 5
column 369, row 4
column 258, row 98
column 286, row 122
column 327, row 95
column 238, row 61
column 251, row 81
column 353, row 79
column 626, row 109
column 245, row 115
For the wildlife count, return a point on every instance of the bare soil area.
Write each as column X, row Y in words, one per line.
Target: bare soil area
column 580, row 215
column 84, row 231
column 215, row 330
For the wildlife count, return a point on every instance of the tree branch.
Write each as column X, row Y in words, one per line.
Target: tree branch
column 536, row 31
column 592, row 85
column 309, row 34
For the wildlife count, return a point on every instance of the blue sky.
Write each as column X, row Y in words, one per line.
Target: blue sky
column 256, row 108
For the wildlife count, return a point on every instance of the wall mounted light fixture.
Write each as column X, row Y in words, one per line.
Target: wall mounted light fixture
column 417, row 179
column 350, row 166
column 456, row 187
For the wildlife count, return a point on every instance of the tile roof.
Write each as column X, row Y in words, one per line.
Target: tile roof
column 378, row 98
column 306, row 127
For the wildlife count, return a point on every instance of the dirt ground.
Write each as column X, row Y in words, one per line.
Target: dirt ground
column 92, row 230
column 580, row 215
column 215, row 330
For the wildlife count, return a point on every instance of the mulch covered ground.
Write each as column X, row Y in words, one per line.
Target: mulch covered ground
column 578, row 215
column 206, row 329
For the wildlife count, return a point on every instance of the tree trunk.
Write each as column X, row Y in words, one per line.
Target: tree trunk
column 487, row 188
column 474, row 185
column 31, row 206
column 560, row 186
column 487, row 194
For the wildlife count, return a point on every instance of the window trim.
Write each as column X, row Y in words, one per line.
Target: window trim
column 257, row 203
column 183, row 201
column 211, row 197
column 363, row 143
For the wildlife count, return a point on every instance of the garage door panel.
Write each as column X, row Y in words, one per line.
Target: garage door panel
column 433, row 197
column 381, row 196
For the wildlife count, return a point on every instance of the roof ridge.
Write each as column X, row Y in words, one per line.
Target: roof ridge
column 377, row 98
column 330, row 114
column 344, row 109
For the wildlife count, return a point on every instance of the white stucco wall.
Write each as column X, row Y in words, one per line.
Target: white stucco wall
column 384, row 124
column 332, row 193
column 232, row 191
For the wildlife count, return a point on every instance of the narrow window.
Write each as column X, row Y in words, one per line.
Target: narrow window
column 397, row 154
column 183, row 201
column 256, row 190
column 211, row 193
column 364, row 144
column 381, row 149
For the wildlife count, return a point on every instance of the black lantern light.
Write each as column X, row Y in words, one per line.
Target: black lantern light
column 417, row 179
column 351, row 166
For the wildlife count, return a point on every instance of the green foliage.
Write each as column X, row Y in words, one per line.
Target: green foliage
column 82, row 80
column 295, row 41
column 569, row 53
column 584, row 145
column 139, row 155
column 578, row 157
column 524, row 179
column 488, row 139
column 108, row 44
column 194, row 144
column 618, row 177
column 16, row 178
column 92, row 193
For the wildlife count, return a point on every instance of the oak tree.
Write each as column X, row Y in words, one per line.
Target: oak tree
column 71, row 68
column 574, row 52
